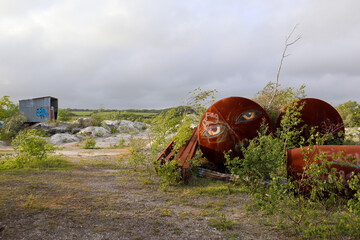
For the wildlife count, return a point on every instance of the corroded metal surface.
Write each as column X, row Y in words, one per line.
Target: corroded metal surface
column 206, row 173
column 345, row 163
column 186, row 152
column 319, row 114
column 167, row 153
column 229, row 124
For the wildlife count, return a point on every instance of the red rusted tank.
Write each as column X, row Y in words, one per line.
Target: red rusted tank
column 229, row 124
column 319, row 114
column 345, row 159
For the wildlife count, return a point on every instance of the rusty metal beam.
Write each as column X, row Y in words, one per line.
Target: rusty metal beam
column 186, row 152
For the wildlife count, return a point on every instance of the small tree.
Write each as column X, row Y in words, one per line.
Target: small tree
column 13, row 121
column 89, row 143
column 32, row 151
column 7, row 108
column 288, row 43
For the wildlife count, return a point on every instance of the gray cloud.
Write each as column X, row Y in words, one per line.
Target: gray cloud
column 138, row 54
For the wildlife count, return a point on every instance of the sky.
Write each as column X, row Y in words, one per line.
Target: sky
column 142, row 54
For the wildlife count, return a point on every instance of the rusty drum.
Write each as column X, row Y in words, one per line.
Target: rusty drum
column 319, row 114
column 229, row 124
column 345, row 159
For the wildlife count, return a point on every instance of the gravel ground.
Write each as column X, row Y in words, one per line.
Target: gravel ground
column 98, row 198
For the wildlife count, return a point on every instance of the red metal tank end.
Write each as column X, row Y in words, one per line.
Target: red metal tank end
column 229, row 124
column 319, row 114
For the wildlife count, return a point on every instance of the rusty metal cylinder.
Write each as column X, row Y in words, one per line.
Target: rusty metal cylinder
column 317, row 114
column 229, row 124
column 344, row 158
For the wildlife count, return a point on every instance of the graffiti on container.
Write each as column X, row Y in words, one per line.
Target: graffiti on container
column 41, row 112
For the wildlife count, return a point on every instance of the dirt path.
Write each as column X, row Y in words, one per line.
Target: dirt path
column 99, row 199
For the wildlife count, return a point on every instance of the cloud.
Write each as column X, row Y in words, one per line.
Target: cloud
column 137, row 54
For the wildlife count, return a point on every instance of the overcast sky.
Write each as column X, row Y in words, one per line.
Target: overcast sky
column 150, row 54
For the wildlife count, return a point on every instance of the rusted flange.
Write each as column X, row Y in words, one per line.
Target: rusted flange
column 229, row 124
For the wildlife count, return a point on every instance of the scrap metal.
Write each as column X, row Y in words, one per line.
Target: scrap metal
column 344, row 159
column 319, row 115
column 186, row 152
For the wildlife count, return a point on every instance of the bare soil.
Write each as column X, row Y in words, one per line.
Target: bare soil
column 98, row 198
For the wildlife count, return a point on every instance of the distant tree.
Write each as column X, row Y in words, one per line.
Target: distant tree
column 64, row 114
column 350, row 113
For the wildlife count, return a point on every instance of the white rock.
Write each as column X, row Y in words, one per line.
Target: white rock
column 110, row 123
column 128, row 126
column 60, row 138
column 95, row 132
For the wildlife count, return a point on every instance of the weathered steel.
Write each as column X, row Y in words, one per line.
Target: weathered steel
column 345, row 159
column 39, row 109
column 206, row 173
column 319, row 114
column 186, row 152
column 166, row 152
column 229, row 124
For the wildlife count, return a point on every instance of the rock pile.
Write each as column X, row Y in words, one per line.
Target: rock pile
column 68, row 132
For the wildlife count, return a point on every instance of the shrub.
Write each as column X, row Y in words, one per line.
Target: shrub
column 113, row 130
column 96, row 119
column 121, row 143
column 89, row 143
column 64, row 115
column 168, row 172
column 263, row 157
column 32, row 151
column 13, row 121
column 11, row 127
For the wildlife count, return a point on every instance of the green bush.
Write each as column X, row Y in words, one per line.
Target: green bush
column 11, row 127
column 32, row 151
column 89, row 143
column 319, row 205
column 13, row 121
column 64, row 115
column 121, row 143
column 7, row 108
column 168, row 172
column 138, row 154
column 113, row 130
column 263, row 158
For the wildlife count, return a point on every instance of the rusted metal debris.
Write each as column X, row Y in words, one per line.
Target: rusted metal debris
column 229, row 124
column 319, row 115
column 345, row 159
column 206, row 173
column 186, row 152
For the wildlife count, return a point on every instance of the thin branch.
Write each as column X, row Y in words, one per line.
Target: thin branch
column 284, row 55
